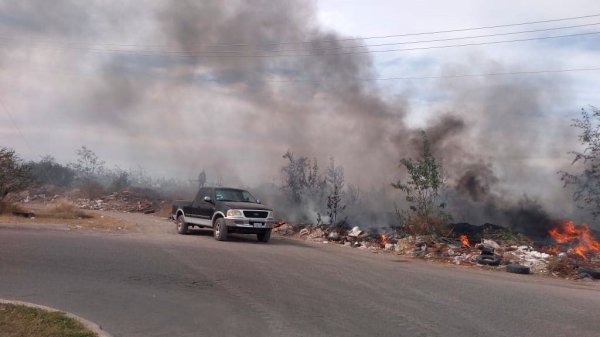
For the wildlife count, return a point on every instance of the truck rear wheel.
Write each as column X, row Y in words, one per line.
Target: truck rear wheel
column 220, row 230
column 264, row 236
column 182, row 227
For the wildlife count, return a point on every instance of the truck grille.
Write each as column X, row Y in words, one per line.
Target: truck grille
column 256, row 214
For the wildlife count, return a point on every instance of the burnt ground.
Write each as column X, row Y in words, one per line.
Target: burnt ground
column 152, row 282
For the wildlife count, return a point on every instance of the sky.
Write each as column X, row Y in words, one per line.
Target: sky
column 134, row 82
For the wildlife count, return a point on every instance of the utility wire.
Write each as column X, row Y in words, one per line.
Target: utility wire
column 235, row 55
column 319, row 41
column 199, row 52
column 67, row 72
column 440, row 40
column 462, row 29
column 3, row 106
column 512, row 73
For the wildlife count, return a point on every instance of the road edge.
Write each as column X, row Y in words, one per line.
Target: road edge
column 97, row 329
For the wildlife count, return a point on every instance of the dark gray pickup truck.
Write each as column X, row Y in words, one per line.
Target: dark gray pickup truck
column 225, row 210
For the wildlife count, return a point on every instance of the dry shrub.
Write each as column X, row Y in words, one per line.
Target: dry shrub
column 64, row 209
column 9, row 208
column 561, row 266
column 426, row 225
column 91, row 189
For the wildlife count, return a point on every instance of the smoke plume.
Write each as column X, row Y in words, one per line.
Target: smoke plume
column 183, row 85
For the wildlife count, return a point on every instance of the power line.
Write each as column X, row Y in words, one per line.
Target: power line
column 230, row 55
column 512, row 73
column 3, row 106
column 320, row 41
column 441, row 40
column 533, row 72
column 465, row 29
column 367, row 46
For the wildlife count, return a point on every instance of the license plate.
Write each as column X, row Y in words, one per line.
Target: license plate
column 258, row 224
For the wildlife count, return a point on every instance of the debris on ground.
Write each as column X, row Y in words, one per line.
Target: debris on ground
column 130, row 199
column 490, row 247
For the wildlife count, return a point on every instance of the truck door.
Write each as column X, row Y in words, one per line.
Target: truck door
column 204, row 209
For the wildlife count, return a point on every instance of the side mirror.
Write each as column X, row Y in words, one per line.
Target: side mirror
column 258, row 201
column 207, row 199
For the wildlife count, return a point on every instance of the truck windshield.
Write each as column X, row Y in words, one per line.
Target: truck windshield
column 225, row 194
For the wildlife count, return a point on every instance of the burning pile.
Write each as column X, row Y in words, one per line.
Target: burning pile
column 465, row 240
column 577, row 240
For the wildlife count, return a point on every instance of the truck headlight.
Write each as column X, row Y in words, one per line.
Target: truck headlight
column 233, row 213
column 270, row 215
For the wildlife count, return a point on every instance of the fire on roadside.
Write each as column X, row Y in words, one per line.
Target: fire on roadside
column 465, row 240
column 384, row 239
column 580, row 238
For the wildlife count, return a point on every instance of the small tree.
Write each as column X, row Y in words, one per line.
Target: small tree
column 295, row 176
column 335, row 181
column 303, row 186
column 88, row 168
column 88, row 165
column 587, row 182
column 422, row 190
column 15, row 176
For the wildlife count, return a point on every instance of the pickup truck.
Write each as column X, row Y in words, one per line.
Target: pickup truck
column 225, row 210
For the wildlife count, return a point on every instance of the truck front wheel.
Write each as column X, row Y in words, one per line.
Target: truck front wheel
column 182, row 227
column 220, row 230
column 264, row 236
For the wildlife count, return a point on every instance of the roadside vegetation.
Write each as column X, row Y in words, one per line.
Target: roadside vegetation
column 15, row 176
column 307, row 194
column 61, row 212
column 422, row 190
column 22, row 321
column 585, row 180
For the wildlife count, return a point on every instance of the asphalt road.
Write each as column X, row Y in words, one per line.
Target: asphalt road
column 156, row 283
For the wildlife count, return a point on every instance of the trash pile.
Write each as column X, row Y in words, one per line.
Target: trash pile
column 488, row 246
column 131, row 199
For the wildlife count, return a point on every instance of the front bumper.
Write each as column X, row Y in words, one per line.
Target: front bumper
column 243, row 222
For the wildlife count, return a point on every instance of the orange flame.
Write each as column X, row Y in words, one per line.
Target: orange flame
column 465, row 240
column 384, row 239
column 567, row 233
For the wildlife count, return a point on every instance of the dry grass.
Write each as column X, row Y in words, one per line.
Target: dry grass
column 560, row 266
column 21, row 321
column 64, row 209
column 65, row 213
column 431, row 225
column 9, row 208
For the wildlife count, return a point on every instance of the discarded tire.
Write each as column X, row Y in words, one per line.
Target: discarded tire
column 489, row 260
column 518, row 269
column 594, row 273
column 487, row 250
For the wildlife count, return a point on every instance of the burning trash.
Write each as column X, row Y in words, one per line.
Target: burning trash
column 465, row 240
column 579, row 239
column 575, row 256
column 384, row 240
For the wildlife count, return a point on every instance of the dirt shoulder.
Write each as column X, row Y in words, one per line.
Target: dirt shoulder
column 64, row 215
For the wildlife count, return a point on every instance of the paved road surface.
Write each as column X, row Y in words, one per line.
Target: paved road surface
column 156, row 283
